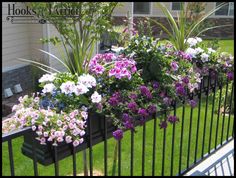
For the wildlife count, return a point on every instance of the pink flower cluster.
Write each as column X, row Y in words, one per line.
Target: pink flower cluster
column 49, row 125
column 67, row 127
column 117, row 66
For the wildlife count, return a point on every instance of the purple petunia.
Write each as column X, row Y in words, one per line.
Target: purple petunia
column 167, row 101
column 163, row 124
column 143, row 112
column 180, row 90
column 152, row 109
column 128, row 124
column 145, row 91
column 173, row 119
column 133, row 106
column 118, row 134
column 115, row 99
column 185, row 80
column 126, row 117
column 192, row 103
column 230, row 75
column 133, row 96
column 155, row 85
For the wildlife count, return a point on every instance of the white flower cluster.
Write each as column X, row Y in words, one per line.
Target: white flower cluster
column 47, row 78
column 197, row 51
column 193, row 41
column 84, row 83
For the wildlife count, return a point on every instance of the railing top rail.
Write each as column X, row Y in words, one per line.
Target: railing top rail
column 15, row 133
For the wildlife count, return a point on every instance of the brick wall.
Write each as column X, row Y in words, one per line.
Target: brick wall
column 222, row 32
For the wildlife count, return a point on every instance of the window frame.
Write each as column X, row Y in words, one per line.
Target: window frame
column 228, row 13
column 171, row 7
column 138, row 14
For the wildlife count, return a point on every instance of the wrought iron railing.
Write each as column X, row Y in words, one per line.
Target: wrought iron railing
column 208, row 86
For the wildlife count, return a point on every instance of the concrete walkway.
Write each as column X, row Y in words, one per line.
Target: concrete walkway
column 221, row 163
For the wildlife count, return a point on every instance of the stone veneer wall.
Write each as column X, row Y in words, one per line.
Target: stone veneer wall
column 24, row 76
column 222, row 32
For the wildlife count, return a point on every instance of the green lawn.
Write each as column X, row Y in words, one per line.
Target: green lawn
column 24, row 166
column 226, row 46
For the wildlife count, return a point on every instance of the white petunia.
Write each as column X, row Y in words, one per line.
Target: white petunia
column 198, row 50
column 192, row 41
column 204, row 57
column 88, row 80
column 198, row 39
column 67, row 87
column 47, row 78
column 210, row 50
column 80, row 89
column 48, row 88
column 96, row 98
column 191, row 51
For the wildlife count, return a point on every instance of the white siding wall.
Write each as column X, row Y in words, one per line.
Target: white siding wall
column 19, row 40
column 15, row 42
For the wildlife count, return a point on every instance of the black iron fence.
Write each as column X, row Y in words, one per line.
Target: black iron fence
column 214, row 107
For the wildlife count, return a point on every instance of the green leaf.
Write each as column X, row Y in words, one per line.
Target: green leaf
column 84, row 100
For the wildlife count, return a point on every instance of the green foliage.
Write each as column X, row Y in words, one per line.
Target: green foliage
column 144, row 27
column 148, row 57
column 78, row 34
column 179, row 30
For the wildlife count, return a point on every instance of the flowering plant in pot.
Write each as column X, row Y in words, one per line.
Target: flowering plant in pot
column 58, row 114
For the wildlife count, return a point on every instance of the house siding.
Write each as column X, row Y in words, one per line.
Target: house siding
column 19, row 41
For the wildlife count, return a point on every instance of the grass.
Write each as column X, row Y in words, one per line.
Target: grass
column 225, row 45
column 24, row 166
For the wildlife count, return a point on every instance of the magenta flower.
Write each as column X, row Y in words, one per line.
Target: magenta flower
column 118, row 134
column 109, row 57
column 98, row 69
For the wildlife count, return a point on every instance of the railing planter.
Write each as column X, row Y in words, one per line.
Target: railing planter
column 45, row 153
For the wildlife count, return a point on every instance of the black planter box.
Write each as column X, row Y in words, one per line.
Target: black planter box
column 45, row 153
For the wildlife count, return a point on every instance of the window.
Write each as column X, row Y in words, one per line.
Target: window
column 231, row 9
column 176, row 6
column 141, row 8
column 227, row 10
